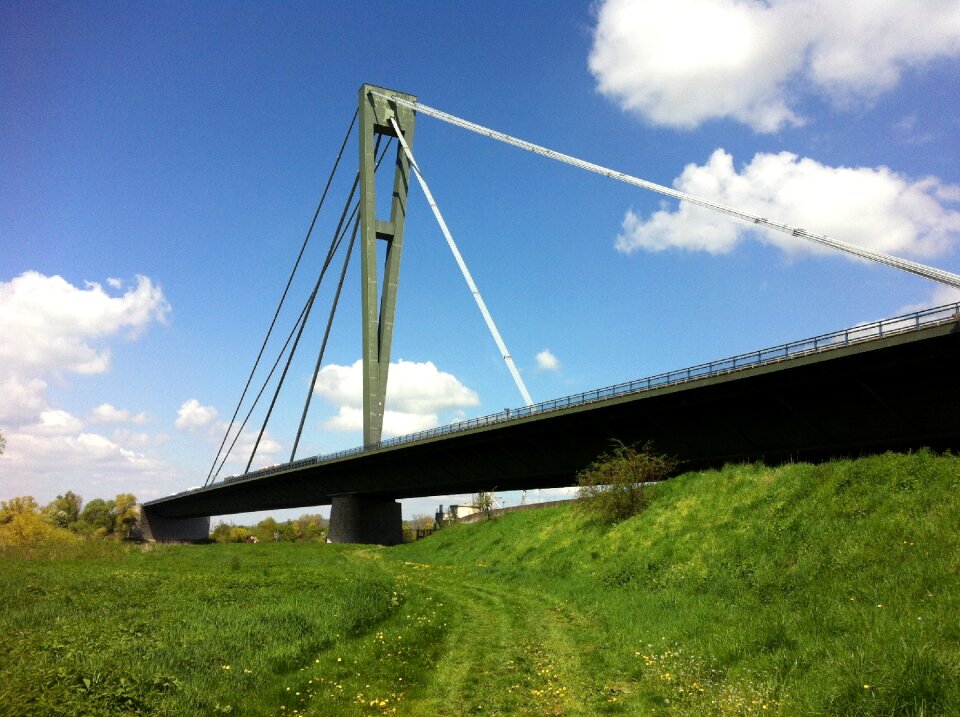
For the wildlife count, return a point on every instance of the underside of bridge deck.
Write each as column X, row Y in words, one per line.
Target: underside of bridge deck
column 895, row 393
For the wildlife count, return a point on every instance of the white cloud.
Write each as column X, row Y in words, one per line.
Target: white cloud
column 874, row 208
column 546, row 361
column 395, row 423
column 23, row 399
column 52, row 326
column 46, row 459
column 192, row 417
column 55, row 422
column 201, row 421
column 683, row 62
column 416, row 394
column 267, row 450
column 107, row 413
column 940, row 296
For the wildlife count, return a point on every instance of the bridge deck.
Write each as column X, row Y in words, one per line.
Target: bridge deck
column 888, row 385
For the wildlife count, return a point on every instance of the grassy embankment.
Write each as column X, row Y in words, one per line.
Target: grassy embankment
column 801, row 590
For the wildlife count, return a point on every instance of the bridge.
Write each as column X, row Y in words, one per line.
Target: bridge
column 881, row 386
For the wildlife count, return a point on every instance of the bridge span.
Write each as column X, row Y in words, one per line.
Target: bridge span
column 890, row 385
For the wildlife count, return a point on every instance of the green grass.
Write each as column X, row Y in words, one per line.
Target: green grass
column 801, row 590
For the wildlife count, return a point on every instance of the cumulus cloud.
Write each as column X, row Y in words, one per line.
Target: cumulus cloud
column 202, row 422
column 40, row 456
column 107, row 413
column 416, row 394
column 192, row 417
column 873, row 207
column 940, row 296
column 546, row 361
column 23, row 399
column 51, row 328
column 684, row 62
column 267, row 450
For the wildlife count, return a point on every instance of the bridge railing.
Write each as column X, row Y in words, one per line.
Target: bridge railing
column 817, row 344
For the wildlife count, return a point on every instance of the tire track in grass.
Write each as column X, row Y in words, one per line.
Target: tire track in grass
column 510, row 652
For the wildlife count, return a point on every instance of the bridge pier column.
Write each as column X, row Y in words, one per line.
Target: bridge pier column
column 157, row 529
column 356, row 519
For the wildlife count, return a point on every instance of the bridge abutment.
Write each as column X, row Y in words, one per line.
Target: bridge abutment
column 357, row 519
column 157, row 529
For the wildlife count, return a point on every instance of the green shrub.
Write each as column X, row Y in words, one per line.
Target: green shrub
column 612, row 487
column 30, row 528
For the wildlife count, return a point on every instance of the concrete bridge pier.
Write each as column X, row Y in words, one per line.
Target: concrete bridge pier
column 157, row 529
column 358, row 519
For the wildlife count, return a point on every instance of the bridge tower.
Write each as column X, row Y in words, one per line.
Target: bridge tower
column 355, row 519
column 379, row 307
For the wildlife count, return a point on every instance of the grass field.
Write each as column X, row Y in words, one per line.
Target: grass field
column 801, row 590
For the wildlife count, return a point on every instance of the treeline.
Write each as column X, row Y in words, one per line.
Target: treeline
column 305, row 529
column 23, row 521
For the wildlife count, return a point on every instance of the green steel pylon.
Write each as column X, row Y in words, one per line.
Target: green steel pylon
column 375, row 113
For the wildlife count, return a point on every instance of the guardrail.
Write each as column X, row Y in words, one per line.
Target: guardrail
column 817, row 344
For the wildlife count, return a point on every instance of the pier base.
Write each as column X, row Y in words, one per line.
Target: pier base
column 354, row 519
column 157, row 529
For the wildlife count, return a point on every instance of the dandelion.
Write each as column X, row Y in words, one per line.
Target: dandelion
column 866, row 687
column 225, row 667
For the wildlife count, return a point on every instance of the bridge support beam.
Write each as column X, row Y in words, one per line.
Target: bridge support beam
column 356, row 519
column 379, row 307
column 157, row 529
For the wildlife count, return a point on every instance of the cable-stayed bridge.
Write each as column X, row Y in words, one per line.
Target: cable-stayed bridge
column 874, row 387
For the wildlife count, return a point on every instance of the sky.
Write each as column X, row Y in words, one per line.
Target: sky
column 160, row 165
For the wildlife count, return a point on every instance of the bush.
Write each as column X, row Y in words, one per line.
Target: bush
column 30, row 528
column 612, row 487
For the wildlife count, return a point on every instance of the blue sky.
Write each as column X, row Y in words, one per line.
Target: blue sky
column 160, row 164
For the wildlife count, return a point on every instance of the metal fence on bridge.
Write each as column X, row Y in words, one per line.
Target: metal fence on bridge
column 825, row 342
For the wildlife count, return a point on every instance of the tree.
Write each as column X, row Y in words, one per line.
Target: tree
column 266, row 528
column 311, row 531
column 486, row 502
column 221, row 533
column 3, row 443
column 64, row 510
column 17, row 506
column 21, row 523
column 296, row 530
column 612, row 488
column 125, row 514
column 421, row 520
column 98, row 513
column 31, row 528
column 311, row 527
column 238, row 534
